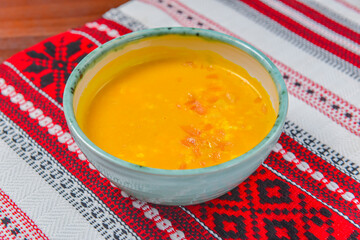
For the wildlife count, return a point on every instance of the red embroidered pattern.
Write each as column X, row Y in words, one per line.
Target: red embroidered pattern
column 14, row 223
column 266, row 207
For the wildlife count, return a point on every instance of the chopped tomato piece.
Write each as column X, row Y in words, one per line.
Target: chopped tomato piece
column 230, row 97
column 264, row 109
column 208, row 127
column 215, row 155
column 222, row 145
column 198, row 108
column 214, row 87
column 197, row 151
column 258, row 100
column 220, row 133
column 191, row 130
column 189, row 141
column 212, row 99
column 195, row 105
column 212, row 76
column 182, row 166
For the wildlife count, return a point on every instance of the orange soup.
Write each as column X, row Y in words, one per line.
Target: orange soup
column 176, row 109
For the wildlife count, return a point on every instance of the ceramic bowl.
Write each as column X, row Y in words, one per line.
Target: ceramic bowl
column 177, row 187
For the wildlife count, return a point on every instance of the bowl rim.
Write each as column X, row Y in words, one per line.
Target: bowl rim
column 96, row 55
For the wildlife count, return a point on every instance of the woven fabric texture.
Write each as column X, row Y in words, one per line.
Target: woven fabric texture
column 308, row 187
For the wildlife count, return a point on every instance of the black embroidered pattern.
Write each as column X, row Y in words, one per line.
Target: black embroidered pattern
column 50, row 64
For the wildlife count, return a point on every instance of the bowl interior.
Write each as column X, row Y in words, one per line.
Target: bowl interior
column 89, row 74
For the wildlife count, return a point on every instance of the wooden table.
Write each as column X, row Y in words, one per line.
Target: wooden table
column 24, row 23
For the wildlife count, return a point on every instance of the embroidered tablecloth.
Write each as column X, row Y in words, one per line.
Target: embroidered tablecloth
column 308, row 188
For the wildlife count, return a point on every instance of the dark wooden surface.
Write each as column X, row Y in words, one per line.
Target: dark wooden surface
column 23, row 23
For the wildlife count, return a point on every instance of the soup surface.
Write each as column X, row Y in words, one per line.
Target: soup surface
column 181, row 109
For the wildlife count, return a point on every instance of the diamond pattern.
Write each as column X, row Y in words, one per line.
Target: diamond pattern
column 260, row 208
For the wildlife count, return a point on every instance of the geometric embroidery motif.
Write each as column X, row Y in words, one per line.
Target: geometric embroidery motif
column 265, row 207
column 49, row 64
column 232, row 226
column 281, row 229
column 273, row 191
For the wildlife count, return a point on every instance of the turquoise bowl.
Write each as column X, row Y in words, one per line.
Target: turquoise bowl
column 177, row 187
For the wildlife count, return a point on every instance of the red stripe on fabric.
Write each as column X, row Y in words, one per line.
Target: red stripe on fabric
column 19, row 219
column 340, row 116
column 322, row 19
column 305, row 33
column 30, row 94
column 101, row 33
column 114, row 25
column 318, row 164
column 346, row 4
column 184, row 220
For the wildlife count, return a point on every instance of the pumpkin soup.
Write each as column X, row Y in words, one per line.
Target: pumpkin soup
column 176, row 108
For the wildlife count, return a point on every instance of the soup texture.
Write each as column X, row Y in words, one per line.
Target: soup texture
column 176, row 108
